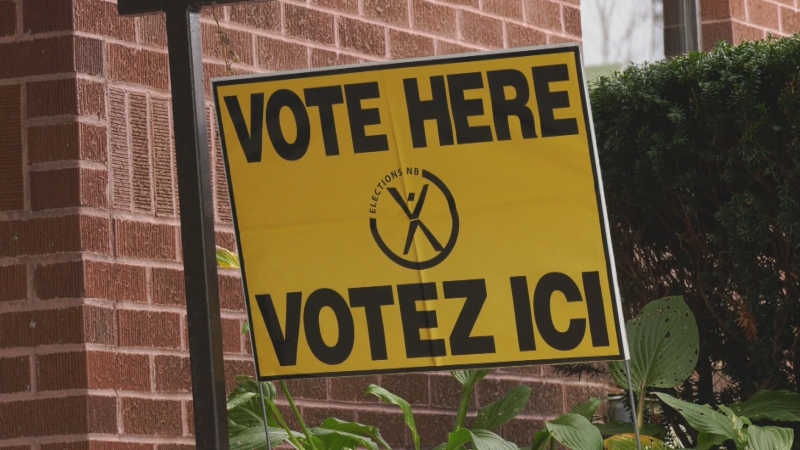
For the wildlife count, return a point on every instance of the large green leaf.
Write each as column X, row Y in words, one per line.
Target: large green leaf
column 780, row 406
column 587, row 409
column 615, row 427
column 706, row 441
column 254, row 438
column 495, row 414
column 575, row 432
column 333, row 423
column 663, row 343
column 337, row 439
column 541, row 440
column 481, row 440
column 769, row 438
column 628, row 442
column 408, row 415
column 470, row 376
column 701, row 418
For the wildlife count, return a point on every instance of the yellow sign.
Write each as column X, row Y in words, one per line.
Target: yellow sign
column 427, row 214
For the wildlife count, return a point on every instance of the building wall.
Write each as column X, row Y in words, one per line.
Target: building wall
column 93, row 342
column 736, row 21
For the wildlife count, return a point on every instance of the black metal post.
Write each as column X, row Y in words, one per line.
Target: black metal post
column 197, row 225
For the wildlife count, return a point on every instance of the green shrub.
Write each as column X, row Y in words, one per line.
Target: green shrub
column 700, row 158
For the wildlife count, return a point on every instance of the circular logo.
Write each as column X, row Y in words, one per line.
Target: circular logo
column 413, row 208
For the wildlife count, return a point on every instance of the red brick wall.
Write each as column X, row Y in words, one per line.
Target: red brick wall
column 736, row 21
column 93, row 345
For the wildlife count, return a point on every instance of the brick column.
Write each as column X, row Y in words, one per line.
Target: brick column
column 93, row 345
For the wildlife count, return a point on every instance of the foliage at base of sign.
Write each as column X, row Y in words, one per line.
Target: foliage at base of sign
column 664, row 345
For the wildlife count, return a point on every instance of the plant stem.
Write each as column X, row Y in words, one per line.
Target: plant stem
column 285, row 427
column 463, row 404
column 296, row 412
column 640, row 410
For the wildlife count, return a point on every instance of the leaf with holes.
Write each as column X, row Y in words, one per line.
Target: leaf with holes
column 663, row 342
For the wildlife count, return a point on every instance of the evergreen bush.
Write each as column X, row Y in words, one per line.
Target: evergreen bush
column 700, row 158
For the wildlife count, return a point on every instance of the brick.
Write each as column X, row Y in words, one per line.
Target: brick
column 91, row 99
column 76, row 415
column 61, row 371
column 521, row 430
column 434, row 427
column 543, row 13
column 173, row 374
column 572, row 21
column 237, row 367
column 310, row 389
column 576, row 394
column 434, row 18
column 349, row 6
column 89, row 56
column 231, row 336
column 42, row 16
column 520, row 36
column 68, row 187
column 44, row 56
column 445, row 391
column 46, row 235
column 119, row 149
column 153, row 30
column 392, row 426
column 709, row 9
column 237, row 47
column 275, row 54
column 99, row 325
column 16, row 375
column 59, row 280
column 309, row 24
column 414, row 388
column 8, row 18
column 101, row 18
column 353, row 389
column 167, row 287
column 151, row 417
column 314, row 416
column 52, row 98
column 138, row 115
column 12, row 195
column 470, row 3
column 135, row 66
column 326, row 58
column 261, row 15
column 144, row 240
column 409, row 45
column 225, row 240
column 176, row 447
column 742, row 32
column 13, row 282
column 97, row 445
column 361, row 36
column 507, row 8
column 231, row 294
column 223, row 201
column 389, row 11
column 149, row 329
column 162, row 163
column 790, row 20
column 715, row 32
column 67, row 141
column 118, row 282
column 763, row 13
column 118, row 371
column 481, row 29
column 95, row 233
column 738, row 9
column 449, row 48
